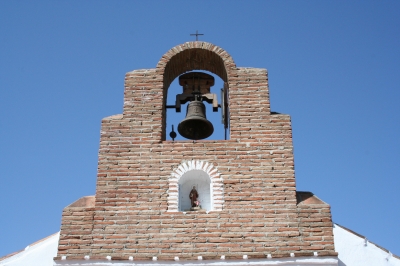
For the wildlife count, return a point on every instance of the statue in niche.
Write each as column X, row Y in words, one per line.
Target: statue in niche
column 193, row 195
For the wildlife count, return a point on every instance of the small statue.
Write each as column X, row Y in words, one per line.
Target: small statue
column 193, row 195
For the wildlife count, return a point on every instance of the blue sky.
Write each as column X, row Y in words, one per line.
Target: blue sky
column 334, row 66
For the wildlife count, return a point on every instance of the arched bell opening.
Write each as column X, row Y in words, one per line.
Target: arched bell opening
column 201, row 182
column 194, row 56
column 216, row 117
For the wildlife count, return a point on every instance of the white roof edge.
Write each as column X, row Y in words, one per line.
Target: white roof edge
column 365, row 238
column 38, row 252
column 301, row 261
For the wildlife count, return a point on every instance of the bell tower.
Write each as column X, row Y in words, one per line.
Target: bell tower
column 231, row 201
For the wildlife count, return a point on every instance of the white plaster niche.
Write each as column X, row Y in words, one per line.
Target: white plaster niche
column 201, row 175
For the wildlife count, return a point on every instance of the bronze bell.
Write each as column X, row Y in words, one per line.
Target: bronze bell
column 195, row 126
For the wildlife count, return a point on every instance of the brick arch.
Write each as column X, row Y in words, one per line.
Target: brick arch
column 195, row 56
column 209, row 169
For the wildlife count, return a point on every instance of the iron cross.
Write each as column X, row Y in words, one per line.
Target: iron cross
column 197, row 35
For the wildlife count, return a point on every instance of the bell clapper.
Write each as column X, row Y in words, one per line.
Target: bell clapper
column 172, row 134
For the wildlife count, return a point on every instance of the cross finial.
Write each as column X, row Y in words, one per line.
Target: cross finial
column 197, row 35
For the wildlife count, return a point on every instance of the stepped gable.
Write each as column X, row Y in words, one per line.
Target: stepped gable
column 254, row 211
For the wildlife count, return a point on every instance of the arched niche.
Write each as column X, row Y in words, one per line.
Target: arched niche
column 207, row 180
column 194, row 56
column 202, row 182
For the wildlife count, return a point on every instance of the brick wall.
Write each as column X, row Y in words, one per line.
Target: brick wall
column 77, row 227
column 260, row 213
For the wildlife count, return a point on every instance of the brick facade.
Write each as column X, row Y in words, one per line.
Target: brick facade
column 133, row 213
